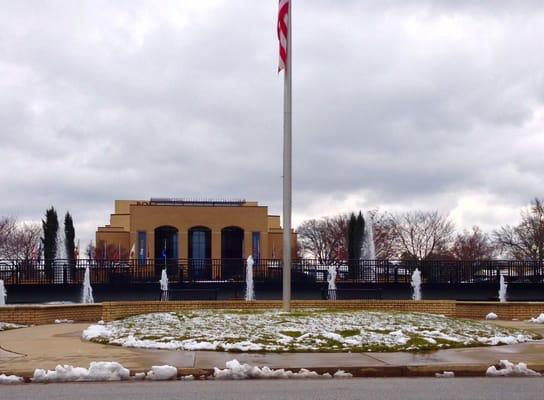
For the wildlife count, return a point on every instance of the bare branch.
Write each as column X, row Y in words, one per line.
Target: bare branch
column 422, row 234
column 473, row 245
column 524, row 241
column 325, row 238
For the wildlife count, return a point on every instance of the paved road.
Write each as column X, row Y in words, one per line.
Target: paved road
column 348, row 389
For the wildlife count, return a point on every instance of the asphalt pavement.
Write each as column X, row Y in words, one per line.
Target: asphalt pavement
column 346, row 389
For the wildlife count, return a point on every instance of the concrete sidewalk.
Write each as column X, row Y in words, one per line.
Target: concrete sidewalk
column 45, row 346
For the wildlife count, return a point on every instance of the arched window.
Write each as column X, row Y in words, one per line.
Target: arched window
column 200, row 242
column 166, row 242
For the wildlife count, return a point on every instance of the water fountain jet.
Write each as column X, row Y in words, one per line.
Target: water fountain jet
column 87, row 296
column 164, row 285
column 3, row 293
column 368, row 248
column 331, row 280
column 416, row 285
column 503, row 287
column 250, row 290
column 59, row 263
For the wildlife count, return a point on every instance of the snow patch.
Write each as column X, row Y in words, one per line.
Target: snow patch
column 98, row 371
column 4, row 326
column 64, row 321
column 139, row 376
column 491, row 316
column 342, row 374
column 10, row 379
column 538, row 320
column 162, row 373
column 400, row 337
column 445, row 374
column 236, row 371
column 96, row 331
column 508, row 368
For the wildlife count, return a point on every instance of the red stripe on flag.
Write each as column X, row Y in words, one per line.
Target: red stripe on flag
column 283, row 14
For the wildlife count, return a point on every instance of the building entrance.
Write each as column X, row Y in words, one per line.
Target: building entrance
column 200, row 253
column 232, row 252
column 166, row 248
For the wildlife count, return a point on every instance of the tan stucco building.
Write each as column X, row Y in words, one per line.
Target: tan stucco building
column 192, row 229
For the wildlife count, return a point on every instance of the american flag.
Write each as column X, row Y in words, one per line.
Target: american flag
column 283, row 15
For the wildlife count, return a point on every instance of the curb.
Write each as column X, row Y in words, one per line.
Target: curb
column 390, row 371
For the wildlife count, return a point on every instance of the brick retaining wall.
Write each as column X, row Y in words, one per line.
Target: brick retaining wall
column 116, row 310
column 505, row 311
column 38, row 314
column 109, row 311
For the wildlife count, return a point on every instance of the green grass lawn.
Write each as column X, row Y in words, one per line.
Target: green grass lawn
column 302, row 331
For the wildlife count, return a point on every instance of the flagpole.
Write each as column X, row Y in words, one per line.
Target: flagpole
column 287, row 185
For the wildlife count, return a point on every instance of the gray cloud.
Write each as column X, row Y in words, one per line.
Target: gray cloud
column 397, row 105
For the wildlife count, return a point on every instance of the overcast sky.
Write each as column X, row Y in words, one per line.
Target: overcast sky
column 396, row 104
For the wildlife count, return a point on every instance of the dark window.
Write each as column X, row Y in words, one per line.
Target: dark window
column 200, row 242
column 256, row 245
column 142, row 246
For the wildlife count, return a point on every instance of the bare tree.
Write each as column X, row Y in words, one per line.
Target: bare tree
column 23, row 242
column 90, row 251
column 385, row 243
column 111, row 252
column 473, row 245
column 524, row 241
column 7, row 226
column 422, row 234
column 339, row 231
column 325, row 238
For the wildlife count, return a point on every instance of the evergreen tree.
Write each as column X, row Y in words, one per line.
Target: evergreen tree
column 50, row 230
column 356, row 229
column 360, row 235
column 351, row 235
column 69, row 240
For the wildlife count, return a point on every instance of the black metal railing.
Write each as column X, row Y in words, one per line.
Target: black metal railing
column 57, row 272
